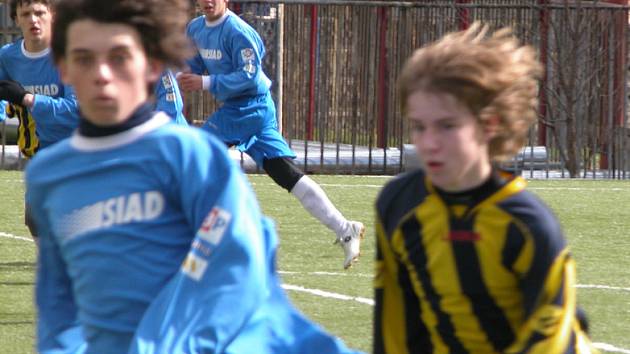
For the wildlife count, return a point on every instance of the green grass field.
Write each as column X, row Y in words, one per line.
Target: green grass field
column 595, row 216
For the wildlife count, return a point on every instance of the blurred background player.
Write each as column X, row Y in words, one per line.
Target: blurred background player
column 46, row 108
column 30, row 81
column 149, row 232
column 228, row 65
column 467, row 260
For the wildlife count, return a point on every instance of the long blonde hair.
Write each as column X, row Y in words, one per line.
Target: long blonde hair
column 491, row 74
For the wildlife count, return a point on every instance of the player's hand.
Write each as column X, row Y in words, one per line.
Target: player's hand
column 189, row 82
column 12, row 91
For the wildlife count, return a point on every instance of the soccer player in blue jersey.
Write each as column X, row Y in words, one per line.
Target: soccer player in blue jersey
column 29, row 81
column 151, row 239
column 228, row 65
column 28, row 76
column 468, row 261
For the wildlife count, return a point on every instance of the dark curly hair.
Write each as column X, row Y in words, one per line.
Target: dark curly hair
column 13, row 4
column 160, row 23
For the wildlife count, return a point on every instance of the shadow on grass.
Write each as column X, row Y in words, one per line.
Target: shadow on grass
column 17, row 283
column 16, row 323
column 18, row 265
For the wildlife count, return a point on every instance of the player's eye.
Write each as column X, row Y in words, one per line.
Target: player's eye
column 83, row 60
column 417, row 127
column 448, row 125
column 118, row 59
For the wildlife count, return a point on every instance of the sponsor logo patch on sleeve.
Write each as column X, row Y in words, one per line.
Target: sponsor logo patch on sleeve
column 166, row 81
column 250, row 68
column 194, row 266
column 214, row 225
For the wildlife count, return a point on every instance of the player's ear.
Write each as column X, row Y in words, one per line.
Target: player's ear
column 154, row 70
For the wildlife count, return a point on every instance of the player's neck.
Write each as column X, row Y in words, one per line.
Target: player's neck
column 35, row 46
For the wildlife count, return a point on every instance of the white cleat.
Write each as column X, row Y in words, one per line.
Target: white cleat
column 351, row 243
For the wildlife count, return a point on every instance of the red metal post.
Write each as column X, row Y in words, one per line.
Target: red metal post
column 311, row 74
column 383, row 82
column 621, row 62
column 544, row 47
column 463, row 15
column 618, row 72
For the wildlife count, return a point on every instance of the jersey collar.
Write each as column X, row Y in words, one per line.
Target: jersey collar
column 88, row 144
column 34, row 55
column 219, row 20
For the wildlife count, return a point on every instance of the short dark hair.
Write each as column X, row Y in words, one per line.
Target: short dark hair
column 160, row 24
column 13, row 4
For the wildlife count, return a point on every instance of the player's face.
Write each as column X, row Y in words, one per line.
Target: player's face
column 35, row 21
column 449, row 140
column 213, row 9
column 107, row 65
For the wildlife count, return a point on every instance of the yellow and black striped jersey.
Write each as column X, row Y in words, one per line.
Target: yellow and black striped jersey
column 484, row 271
column 27, row 136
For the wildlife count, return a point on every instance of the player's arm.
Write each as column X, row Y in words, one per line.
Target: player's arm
column 246, row 56
column 192, row 79
column 58, row 330
column 168, row 98
column 56, row 113
column 225, row 277
column 548, row 284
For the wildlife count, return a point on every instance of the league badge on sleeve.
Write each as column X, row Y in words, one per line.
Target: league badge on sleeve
column 247, row 54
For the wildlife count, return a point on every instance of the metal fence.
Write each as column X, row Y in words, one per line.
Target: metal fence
column 335, row 64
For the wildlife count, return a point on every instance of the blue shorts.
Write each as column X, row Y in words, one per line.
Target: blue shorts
column 251, row 125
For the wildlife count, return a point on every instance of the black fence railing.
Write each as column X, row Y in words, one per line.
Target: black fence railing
column 335, row 64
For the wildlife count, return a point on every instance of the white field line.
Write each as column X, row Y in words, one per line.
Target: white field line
column 363, row 275
column 347, row 274
column 340, row 185
column 577, row 189
column 328, row 294
column 610, row 348
column 363, row 300
column 21, row 238
column 13, row 180
column 605, row 287
column 328, row 185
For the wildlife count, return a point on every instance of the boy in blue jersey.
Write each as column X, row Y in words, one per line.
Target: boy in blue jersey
column 151, row 240
column 46, row 108
column 468, row 261
column 228, row 65
column 28, row 76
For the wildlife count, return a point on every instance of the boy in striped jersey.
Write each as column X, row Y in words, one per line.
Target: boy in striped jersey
column 467, row 260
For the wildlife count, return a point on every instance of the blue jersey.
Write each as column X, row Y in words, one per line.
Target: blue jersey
column 168, row 97
column 231, row 52
column 55, row 109
column 146, row 240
